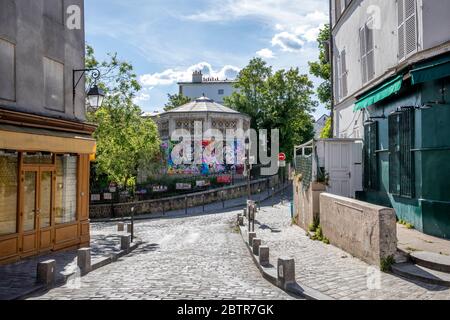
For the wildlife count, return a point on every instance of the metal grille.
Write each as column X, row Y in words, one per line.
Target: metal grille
column 370, row 157
column 394, row 155
column 303, row 166
column 401, row 158
column 406, row 156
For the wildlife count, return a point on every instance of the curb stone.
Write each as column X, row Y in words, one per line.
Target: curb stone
column 270, row 274
column 113, row 257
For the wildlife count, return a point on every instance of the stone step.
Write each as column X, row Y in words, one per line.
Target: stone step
column 423, row 274
column 431, row 260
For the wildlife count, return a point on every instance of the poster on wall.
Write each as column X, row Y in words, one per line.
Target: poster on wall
column 183, row 186
column 95, row 197
column 224, row 179
column 202, row 183
column 107, row 196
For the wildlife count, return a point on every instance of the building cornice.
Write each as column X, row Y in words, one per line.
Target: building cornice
column 42, row 122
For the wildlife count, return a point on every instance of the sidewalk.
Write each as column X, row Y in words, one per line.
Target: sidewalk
column 411, row 240
column 330, row 270
column 19, row 279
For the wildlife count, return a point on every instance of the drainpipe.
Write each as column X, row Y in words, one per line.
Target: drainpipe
column 332, row 69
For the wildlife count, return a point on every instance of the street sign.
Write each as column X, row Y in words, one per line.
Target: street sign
column 282, row 157
column 282, row 164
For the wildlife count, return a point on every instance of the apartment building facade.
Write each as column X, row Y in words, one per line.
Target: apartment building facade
column 391, row 70
column 45, row 142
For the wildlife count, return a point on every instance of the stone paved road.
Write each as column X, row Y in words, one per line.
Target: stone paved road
column 331, row 270
column 199, row 257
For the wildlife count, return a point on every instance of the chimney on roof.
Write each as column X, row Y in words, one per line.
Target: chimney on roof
column 197, row 77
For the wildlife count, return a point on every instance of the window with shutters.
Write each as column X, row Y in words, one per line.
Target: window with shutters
column 407, row 28
column 367, row 52
column 401, row 158
column 343, row 90
column 371, row 156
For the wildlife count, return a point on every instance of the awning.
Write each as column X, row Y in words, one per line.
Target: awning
column 382, row 92
column 32, row 139
column 430, row 71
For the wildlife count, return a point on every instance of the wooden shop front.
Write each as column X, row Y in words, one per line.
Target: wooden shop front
column 44, row 187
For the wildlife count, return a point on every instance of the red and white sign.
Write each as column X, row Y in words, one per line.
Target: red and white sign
column 282, row 157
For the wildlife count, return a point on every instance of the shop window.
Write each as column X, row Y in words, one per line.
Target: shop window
column 66, row 189
column 401, row 159
column 370, row 156
column 38, row 158
column 8, row 192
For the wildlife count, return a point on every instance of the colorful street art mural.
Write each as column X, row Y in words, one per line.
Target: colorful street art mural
column 211, row 163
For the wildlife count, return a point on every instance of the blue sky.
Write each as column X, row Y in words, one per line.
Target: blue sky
column 166, row 40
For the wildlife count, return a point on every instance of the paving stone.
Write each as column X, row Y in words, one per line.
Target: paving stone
column 198, row 257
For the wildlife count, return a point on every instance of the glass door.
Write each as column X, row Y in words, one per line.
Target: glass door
column 45, row 211
column 37, row 210
column 29, row 211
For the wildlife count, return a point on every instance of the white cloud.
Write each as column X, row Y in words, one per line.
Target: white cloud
column 265, row 53
column 288, row 41
column 296, row 22
column 171, row 76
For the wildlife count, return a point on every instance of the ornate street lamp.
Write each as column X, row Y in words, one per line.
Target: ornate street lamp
column 95, row 94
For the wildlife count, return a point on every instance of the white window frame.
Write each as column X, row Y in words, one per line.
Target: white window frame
column 367, row 51
column 402, row 36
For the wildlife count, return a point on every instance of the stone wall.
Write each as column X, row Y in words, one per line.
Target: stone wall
column 306, row 203
column 179, row 202
column 366, row 231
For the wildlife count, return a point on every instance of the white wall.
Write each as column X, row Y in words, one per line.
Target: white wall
column 210, row 90
column 433, row 24
column 436, row 22
column 346, row 37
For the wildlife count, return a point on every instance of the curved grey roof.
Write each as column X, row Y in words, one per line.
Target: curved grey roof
column 203, row 104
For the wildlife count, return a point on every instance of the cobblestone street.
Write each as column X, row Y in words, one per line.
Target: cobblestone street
column 330, row 270
column 200, row 257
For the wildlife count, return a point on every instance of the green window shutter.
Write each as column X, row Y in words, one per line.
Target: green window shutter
column 370, row 157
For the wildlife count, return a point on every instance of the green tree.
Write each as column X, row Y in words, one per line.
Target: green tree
column 125, row 140
column 322, row 70
column 280, row 100
column 251, row 84
column 175, row 101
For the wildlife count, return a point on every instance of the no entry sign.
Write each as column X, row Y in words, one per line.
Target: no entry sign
column 282, row 157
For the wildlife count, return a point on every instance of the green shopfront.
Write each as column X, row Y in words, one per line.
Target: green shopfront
column 407, row 145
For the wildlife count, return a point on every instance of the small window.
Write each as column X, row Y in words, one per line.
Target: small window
column 7, row 71
column 221, row 92
column 54, row 84
column 371, row 157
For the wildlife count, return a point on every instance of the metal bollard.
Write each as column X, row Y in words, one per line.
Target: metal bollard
column 251, row 236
